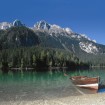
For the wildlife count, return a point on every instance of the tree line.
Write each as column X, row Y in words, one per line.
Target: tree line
column 38, row 57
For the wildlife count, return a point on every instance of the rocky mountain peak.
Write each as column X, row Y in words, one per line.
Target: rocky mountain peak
column 17, row 23
column 51, row 29
column 43, row 25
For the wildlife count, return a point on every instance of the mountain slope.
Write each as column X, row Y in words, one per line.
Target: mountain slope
column 52, row 36
column 17, row 37
column 64, row 38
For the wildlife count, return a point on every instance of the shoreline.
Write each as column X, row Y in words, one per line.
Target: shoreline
column 87, row 99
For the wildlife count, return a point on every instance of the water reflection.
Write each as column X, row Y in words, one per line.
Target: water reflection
column 36, row 85
column 44, row 79
column 50, row 76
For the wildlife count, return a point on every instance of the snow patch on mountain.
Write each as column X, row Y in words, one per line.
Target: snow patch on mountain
column 42, row 25
column 86, row 37
column 52, row 29
column 68, row 30
column 88, row 47
column 94, row 41
column 55, row 29
column 5, row 25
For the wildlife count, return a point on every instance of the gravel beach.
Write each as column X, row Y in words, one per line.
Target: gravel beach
column 87, row 99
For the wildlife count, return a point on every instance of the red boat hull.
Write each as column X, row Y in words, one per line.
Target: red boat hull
column 86, row 82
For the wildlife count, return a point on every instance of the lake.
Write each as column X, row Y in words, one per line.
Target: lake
column 29, row 85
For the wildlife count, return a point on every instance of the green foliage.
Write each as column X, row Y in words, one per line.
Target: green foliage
column 49, row 51
column 38, row 57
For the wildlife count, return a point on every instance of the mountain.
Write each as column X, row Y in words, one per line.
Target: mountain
column 15, row 37
column 44, row 35
column 66, row 38
column 54, row 36
column 51, row 29
column 7, row 25
column 17, row 23
column 42, row 25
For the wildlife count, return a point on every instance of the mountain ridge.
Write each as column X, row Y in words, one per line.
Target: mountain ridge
column 51, row 36
column 41, row 25
column 58, row 34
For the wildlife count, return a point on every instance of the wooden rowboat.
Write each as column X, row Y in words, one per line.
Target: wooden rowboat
column 86, row 82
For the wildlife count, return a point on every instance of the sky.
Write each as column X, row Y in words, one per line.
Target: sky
column 82, row 16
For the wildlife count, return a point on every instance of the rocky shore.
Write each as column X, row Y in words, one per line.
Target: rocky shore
column 87, row 99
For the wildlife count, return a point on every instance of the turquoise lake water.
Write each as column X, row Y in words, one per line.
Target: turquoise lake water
column 26, row 85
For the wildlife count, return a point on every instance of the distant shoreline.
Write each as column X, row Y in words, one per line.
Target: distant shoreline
column 26, row 68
